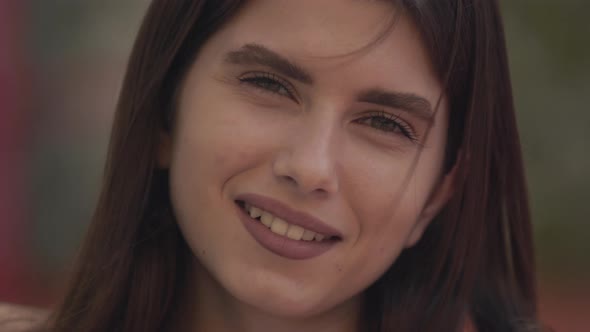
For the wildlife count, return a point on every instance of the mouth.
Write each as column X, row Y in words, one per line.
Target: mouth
column 286, row 229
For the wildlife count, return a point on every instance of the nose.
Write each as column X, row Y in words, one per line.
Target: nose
column 307, row 162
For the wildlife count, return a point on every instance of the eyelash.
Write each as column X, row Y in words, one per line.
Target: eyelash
column 386, row 120
column 271, row 83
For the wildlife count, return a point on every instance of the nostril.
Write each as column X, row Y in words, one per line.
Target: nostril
column 290, row 179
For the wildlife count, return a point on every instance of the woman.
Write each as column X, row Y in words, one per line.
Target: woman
column 328, row 165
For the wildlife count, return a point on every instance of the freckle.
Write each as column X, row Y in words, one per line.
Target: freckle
column 338, row 267
column 203, row 252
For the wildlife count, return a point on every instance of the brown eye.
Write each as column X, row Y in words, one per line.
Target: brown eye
column 269, row 83
column 388, row 123
column 383, row 124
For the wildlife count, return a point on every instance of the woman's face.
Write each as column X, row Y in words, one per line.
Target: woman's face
column 289, row 114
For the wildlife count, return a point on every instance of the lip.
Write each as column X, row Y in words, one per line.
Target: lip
column 281, row 245
column 289, row 215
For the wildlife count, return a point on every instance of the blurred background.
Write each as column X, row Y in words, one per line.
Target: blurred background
column 61, row 67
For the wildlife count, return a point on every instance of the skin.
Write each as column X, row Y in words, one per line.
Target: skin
column 310, row 147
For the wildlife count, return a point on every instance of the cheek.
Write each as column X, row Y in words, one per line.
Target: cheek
column 379, row 190
column 385, row 206
column 387, row 195
column 213, row 138
column 206, row 155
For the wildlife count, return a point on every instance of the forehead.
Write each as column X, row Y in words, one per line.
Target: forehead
column 328, row 27
column 339, row 41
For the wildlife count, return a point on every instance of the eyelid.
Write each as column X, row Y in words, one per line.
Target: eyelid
column 408, row 130
column 270, row 76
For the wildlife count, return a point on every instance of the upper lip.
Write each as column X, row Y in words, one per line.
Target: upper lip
column 290, row 215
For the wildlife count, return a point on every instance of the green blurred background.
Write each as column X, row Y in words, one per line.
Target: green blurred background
column 73, row 56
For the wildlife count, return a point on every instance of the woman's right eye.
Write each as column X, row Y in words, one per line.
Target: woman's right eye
column 269, row 83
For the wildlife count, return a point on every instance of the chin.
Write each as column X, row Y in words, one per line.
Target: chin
column 289, row 308
column 288, row 300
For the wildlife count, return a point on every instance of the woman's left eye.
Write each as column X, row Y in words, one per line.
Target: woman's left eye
column 388, row 123
column 269, row 83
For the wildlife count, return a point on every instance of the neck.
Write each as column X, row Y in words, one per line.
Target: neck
column 206, row 306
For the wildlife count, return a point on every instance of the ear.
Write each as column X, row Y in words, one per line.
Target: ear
column 440, row 196
column 164, row 153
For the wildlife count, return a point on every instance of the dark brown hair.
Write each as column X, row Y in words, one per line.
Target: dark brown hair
column 475, row 261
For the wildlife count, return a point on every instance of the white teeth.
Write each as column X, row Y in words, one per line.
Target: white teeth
column 279, row 226
column 308, row 235
column 295, row 232
column 255, row 212
column 266, row 219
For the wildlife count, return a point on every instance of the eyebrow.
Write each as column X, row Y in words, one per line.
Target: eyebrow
column 256, row 54
column 409, row 102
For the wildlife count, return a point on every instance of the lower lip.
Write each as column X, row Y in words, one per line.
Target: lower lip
column 282, row 245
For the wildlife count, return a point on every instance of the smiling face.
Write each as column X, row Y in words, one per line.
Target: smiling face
column 287, row 112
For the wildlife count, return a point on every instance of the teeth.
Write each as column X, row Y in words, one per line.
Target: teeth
column 281, row 227
column 266, row 219
column 255, row 212
column 295, row 232
column 308, row 235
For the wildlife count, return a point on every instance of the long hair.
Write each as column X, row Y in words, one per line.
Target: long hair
column 474, row 262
